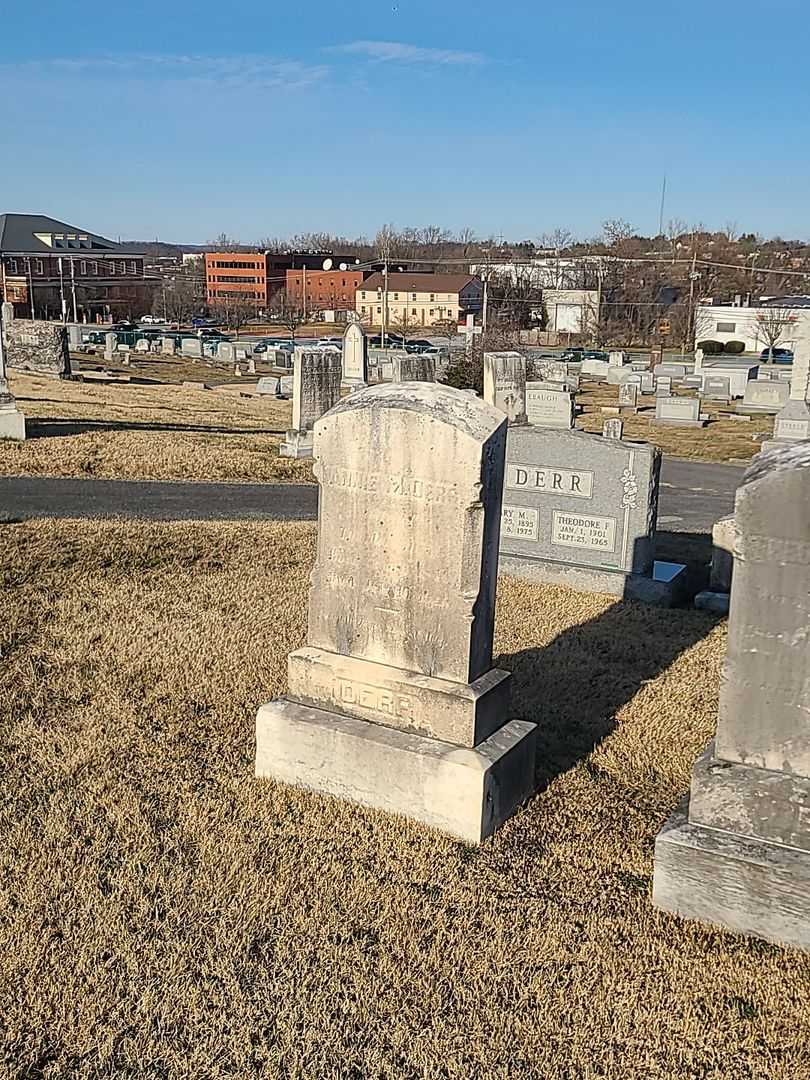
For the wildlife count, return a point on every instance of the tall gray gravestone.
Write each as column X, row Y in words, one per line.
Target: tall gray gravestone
column 12, row 421
column 737, row 853
column 355, row 356
column 549, row 407
column 316, row 388
column 581, row 510
column 792, row 423
column 505, row 384
column 393, row 701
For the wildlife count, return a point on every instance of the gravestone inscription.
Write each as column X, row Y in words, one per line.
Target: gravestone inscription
column 505, row 384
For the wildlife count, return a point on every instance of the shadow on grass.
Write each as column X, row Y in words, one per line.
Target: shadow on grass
column 54, row 427
column 574, row 687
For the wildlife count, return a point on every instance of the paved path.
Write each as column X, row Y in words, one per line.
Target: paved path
column 693, row 496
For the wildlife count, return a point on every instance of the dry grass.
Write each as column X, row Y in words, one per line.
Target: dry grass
column 161, row 432
column 722, row 440
column 165, row 915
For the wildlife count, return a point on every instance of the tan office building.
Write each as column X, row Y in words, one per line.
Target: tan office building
column 418, row 299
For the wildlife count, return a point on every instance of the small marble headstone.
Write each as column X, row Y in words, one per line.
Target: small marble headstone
column 505, row 384
column 355, row 355
column 663, row 386
column 628, row 396
column 716, row 388
column 647, row 382
column 412, row 367
column 613, row 429
column 679, row 412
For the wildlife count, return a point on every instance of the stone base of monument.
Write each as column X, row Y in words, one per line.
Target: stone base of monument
column 735, row 882
column 665, row 587
column 679, row 423
column 12, row 423
column 734, row 852
column 467, row 792
column 298, row 444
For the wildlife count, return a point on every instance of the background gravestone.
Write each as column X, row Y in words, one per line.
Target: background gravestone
column 12, row 421
column 412, row 367
column 355, row 355
column 613, row 429
column 678, row 412
column 738, row 852
column 316, row 388
column 792, row 423
column 581, row 510
column 393, row 701
column 38, row 347
column 628, row 396
column 505, row 384
column 547, row 407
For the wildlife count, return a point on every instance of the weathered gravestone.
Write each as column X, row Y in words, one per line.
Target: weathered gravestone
column 594, row 369
column 393, row 701
column 792, row 423
column 505, row 384
column 674, row 371
column 12, row 421
column 74, row 336
column 549, row 408
column 316, row 388
column 355, row 356
column 738, row 853
column 716, row 388
column 764, row 396
column 142, row 345
column 613, row 429
column 617, row 358
column 581, row 510
column 269, row 385
column 738, row 372
column 628, row 397
column 168, row 346
column 226, row 353
column 647, row 382
column 38, row 347
column 110, row 345
column 663, row 386
column 191, row 346
column 412, row 367
column 678, row 412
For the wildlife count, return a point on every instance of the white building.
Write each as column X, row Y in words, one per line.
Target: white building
column 571, row 311
column 784, row 326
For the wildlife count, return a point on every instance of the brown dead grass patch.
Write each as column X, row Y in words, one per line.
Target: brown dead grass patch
column 163, row 914
column 722, row 440
column 161, row 432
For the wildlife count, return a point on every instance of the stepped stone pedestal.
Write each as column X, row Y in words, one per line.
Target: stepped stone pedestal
column 737, row 852
column 393, row 702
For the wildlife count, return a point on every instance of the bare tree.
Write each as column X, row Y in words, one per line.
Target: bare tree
column 289, row 311
column 771, row 325
column 558, row 239
column 179, row 297
column 675, row 229
column 730, row 232
column 223, row 242
column 235, row 311
column 446, row 328
column 616, row 231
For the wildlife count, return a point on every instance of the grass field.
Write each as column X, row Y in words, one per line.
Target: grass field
column 721, row 440
column 155, row 432
column 165, row 915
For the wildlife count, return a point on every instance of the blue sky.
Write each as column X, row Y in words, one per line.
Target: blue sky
column 181, row 120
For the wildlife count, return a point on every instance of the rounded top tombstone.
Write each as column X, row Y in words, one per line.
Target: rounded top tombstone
column 411, row 479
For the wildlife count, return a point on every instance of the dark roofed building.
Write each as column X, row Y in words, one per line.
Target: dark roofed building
column 48, row 267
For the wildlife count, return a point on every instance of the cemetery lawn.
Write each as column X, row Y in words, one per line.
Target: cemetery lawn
column 722, row 440
column 149, row 432
column 163, row 914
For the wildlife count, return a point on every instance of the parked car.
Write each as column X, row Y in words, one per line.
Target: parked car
column 325, row 342
column 124, row 327
column 417, row 345
column 574, row 353
column 263, row 344
column 152, row 319
column 776, row 356
column 203, row 320
column 595, row 354
column 209, row 334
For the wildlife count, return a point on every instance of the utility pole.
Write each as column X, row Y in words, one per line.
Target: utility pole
column 691, row 329
column 62, row 301
column 661, row 214
column 73, row 289
column 304, row 294
column 384, row 320
column 484, row 309
column 30, row 287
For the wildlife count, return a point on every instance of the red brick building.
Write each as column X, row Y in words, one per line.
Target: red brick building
column 324, row 290
column 230, row 274
column 49, row 268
